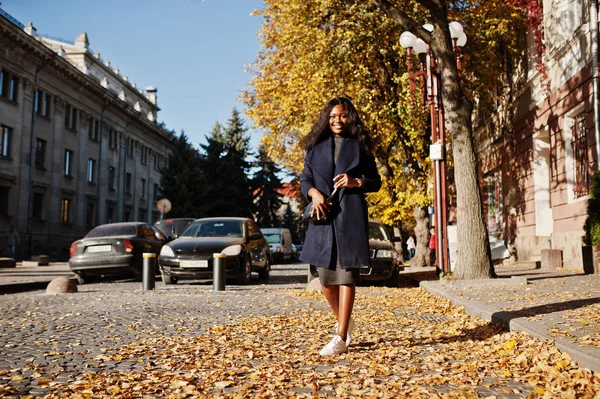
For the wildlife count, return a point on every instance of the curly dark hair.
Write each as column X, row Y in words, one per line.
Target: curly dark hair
column 354, row 127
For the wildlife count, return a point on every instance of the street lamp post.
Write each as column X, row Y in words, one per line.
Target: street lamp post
column 432, row 98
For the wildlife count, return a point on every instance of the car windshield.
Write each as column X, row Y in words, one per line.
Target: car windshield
column 273, row 238
column 377, row 232
column 109, row 230
column 214, row 228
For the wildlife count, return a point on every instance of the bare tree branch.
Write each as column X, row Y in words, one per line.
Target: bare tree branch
column 404, row 20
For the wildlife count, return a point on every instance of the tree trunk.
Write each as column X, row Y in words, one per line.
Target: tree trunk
column 474, row 260
column 421, row 258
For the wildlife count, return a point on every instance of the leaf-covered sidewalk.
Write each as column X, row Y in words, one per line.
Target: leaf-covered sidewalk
column 407, row 344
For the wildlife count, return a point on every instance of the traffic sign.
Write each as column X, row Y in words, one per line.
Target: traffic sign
column 163, row 205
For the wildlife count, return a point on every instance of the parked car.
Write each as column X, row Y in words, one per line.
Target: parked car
column 280, row 242
column 172, row 228
column 191, row 255
column 384, row 264
column 114, row 249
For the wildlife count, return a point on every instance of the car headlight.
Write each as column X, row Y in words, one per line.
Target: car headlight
column 384, row 253
column 233, row 250
column 167, row 251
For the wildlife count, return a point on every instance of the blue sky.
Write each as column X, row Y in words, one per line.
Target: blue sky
column 194, row 52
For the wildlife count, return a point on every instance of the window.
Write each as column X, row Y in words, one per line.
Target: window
column 42, row 103
column 156, row 192
column 38, row 205
column 580, row 157
column 111, row 178
column 143, row 216
column 127, row 213
column 128, row 183
column 110, row 213
column 8, row 86
column 143, row 189
column 91, row 172
column 144, row 157
column 113, row 139
column 93, row 128
column 4, row 200
column 68, row 163
column 70, row 117
column 46, row 107
column 40, row 153
column 90, row 212
column 5, row 141
column 495, row 204
column 12, row 92
column 130, row 147
column 65, row 211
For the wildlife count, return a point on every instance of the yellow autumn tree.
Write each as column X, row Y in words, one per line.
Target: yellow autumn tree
column 313, row 50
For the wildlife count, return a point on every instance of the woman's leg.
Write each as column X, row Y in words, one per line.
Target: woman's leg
column 347, row 293
column 332, row 293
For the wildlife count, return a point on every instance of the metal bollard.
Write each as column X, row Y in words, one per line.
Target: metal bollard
column 219, row 272
column 149, row 271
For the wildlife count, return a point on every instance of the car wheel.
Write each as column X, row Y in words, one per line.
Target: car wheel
column 245, row 272
column 82, row 279
column 168, row 279
column 264, row 273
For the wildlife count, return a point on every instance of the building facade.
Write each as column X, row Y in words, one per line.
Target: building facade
column 80, row 143
column 537, row 169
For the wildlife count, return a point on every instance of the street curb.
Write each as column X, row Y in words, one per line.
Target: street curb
column 23, row 287
column 513, row 322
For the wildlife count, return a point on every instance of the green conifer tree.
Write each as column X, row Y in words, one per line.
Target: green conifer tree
column 227, row 192
column 181, row 179
column 267, row 201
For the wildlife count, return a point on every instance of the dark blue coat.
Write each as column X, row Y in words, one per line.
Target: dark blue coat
column 350, row 222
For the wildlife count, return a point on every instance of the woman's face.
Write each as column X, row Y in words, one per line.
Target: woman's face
column 337, row 119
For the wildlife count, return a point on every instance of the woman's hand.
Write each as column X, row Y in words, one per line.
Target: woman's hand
column 320, row 204
column 343, row 180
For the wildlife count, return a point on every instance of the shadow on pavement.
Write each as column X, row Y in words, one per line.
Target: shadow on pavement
column 506, row 316
column 479, row 333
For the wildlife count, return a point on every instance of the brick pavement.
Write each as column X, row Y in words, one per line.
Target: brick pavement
column 60, row 337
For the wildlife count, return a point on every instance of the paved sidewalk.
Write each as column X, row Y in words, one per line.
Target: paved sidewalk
column 563, row 306
column 27, row 276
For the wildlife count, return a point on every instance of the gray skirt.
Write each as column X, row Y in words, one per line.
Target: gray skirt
column 334, row 274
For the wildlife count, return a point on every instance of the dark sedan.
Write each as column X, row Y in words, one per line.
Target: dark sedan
column 191, row 255
column 114, row 249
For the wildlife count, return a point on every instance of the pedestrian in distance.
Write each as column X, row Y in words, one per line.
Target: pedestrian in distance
column 410, row 245
column 338, row 159
column 432, row 246
column 12, row 240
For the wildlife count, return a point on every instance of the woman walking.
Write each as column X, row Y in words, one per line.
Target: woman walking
column 338, row 159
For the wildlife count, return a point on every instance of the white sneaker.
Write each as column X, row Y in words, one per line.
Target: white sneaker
column 350, row 329
column 334, row 347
